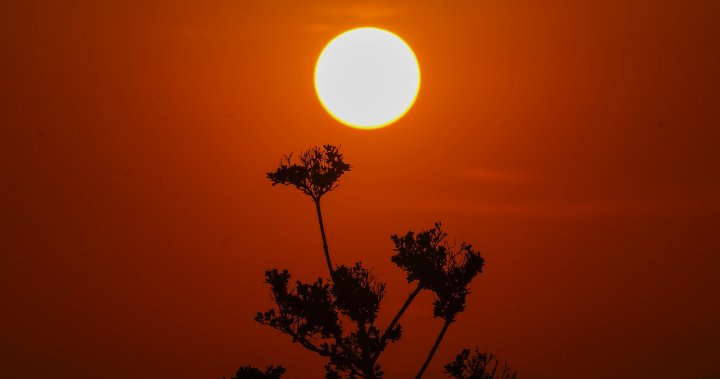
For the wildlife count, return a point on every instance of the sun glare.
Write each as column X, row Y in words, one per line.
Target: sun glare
column 367, row 78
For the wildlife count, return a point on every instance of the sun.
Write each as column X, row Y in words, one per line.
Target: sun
column 367, row 78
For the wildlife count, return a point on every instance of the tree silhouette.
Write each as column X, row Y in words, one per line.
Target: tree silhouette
column 316, row 173
column 336, row 318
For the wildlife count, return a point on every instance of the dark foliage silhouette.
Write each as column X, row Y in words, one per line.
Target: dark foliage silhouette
column 478, row 366
column 312, row 315
column 336, row 318
column 431, row 261
column 248, row 372
column 316, row 173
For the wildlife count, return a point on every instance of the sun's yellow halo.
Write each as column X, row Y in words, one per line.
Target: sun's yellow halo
column 367, row 78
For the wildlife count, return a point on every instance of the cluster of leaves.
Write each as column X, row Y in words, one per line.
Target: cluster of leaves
column 315, row 314
column 428, row 258
column 478, row 366
column 249, row 372
column 316, row 173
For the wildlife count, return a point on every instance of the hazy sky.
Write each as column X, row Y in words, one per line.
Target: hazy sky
column 574, row 143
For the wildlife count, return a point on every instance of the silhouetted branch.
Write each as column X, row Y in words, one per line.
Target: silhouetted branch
column 304, row 312
column 429, row 358
column 434, row 263
column 316, row 173
column 477, row 366
column 324, row 239
column 392, row 330
column 249, row 372
column 308, row 312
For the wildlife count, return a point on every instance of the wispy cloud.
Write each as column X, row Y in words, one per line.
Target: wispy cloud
column 329, row 16
column 559, row 209
column 359, row 11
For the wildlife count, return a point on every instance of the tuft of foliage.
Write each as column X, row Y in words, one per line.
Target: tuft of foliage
column 305, row 313
column 478, row 366
column 427, row 257
column 249, row 372
column 316, row 173
column 313, row 315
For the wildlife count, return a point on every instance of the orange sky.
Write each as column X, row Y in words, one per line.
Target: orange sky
column 575, row 145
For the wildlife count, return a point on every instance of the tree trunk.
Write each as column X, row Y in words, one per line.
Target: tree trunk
column 434, row 349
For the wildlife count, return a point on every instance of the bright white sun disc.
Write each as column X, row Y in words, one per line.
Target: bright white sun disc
column 367, row 78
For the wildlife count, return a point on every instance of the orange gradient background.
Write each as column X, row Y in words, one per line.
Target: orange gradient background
column 575, row 145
